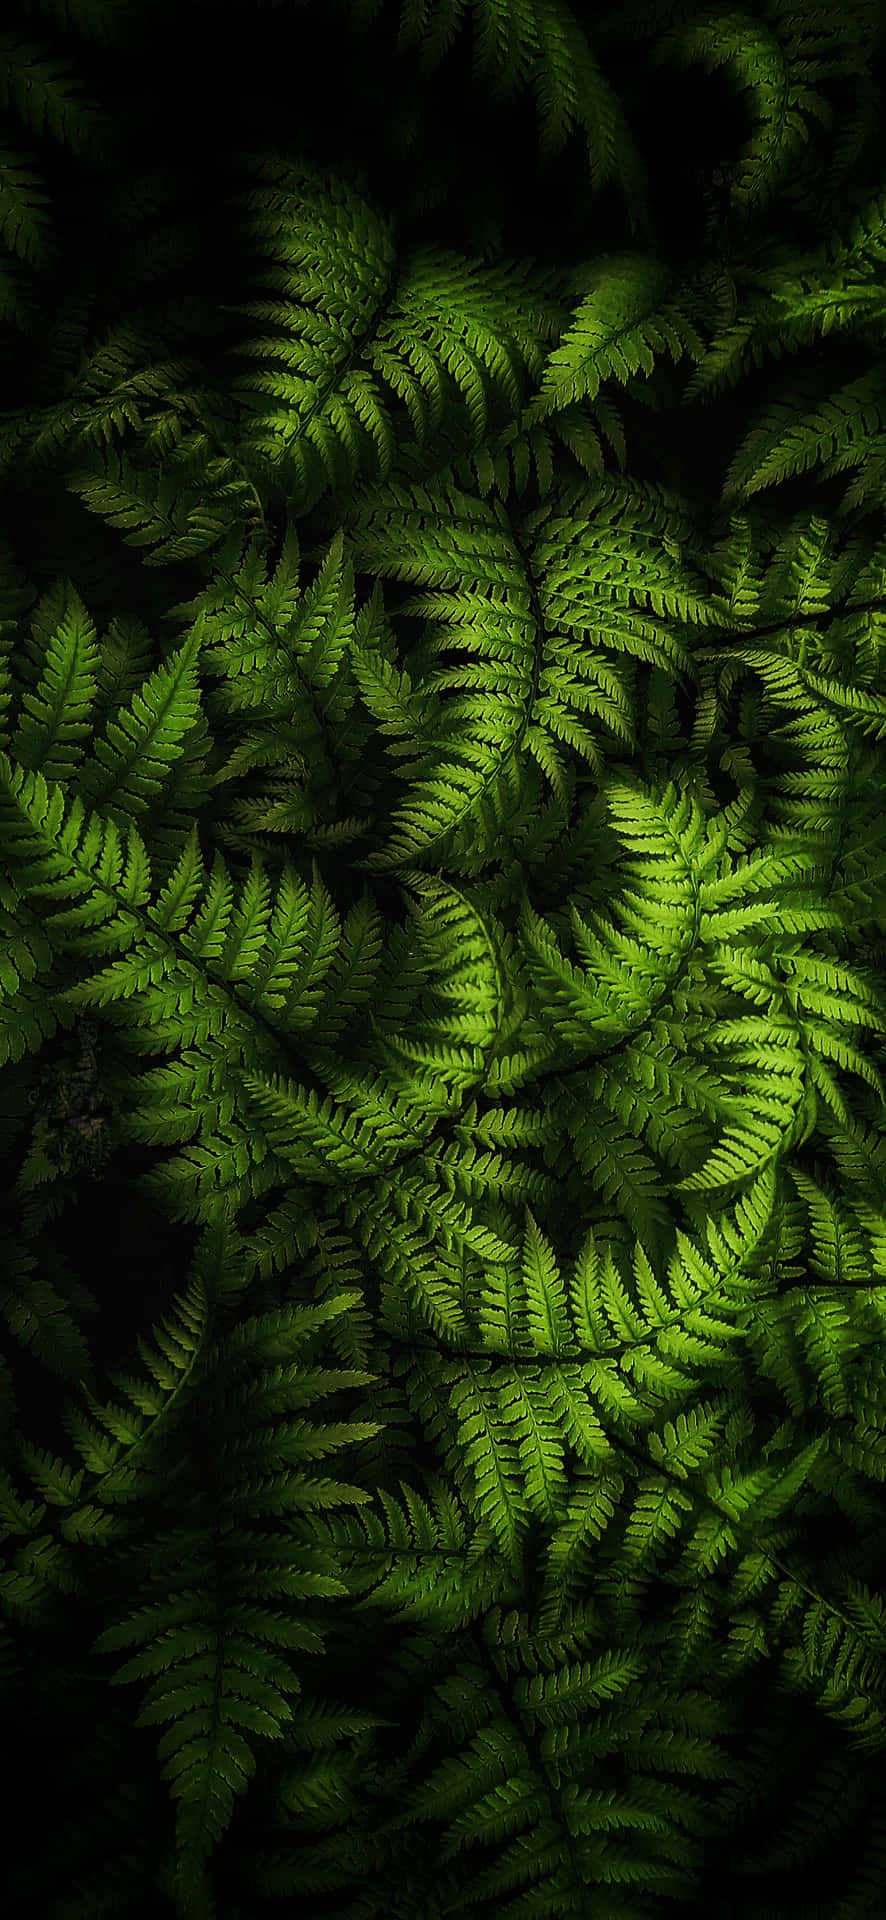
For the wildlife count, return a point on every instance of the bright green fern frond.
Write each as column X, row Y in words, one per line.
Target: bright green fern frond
column 595, row 1494
column 837, row 1249
column 624, row 319
column 621, row 1169
column 520, row 453
column 575, row 1006
column 615, row 571
column 547, row 1319
column 59, row 851
column 422, row 1555
column 287, row 965
column 491, row 1466
column 442, row 538
column 56, row 713
column 764, row 1064
column 441, row 321
column 832, row 990
column 139, row 746
column 310, row 1136
column 667, row 855
column 403, row 712
column 349, row 982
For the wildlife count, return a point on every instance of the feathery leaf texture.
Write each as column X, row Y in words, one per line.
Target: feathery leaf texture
column 442, row 987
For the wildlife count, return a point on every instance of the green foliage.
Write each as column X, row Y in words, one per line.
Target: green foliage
column 442, row 969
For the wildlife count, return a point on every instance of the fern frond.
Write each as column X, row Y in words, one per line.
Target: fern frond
column 39, row 1317
column 153, row 509
column 138, row 748
column 47, row 95
column 442, row 538
column 56, row 714
column 625, row 317
column 795, row 435
column 439, row 321
column 764, row 68
column 841, row 1662
column 420, row 1554
column 219, row 1666
column 25, row 222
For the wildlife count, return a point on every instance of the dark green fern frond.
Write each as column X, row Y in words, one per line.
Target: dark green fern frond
column 43, row 91
column 793, row 299
column 25, row 223
column 775, row 75
column 120, row 1452
column 443, row 913
column 160, row 959
column 803, row 431
column 16, row 599
column 93, row 19
column 153, row 510
column 37, row 1314
column 16, row 310
column 841, row 1659
column 117, row 1444
column 219, row 1665
column 539, row 1753
column 291, row 659
column 127, row 389
column 544, row 48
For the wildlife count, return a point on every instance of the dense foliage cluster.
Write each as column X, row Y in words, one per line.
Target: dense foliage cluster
column 443, row 959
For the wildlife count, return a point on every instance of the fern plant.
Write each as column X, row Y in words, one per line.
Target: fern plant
column 442, row 987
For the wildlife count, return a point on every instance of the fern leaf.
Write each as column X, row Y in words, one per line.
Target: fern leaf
column 25, row 224
column 56, row 714
column 796, row 434
column 137, row 750
column 760, row 62
column 623, row 319
column 46, row 94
